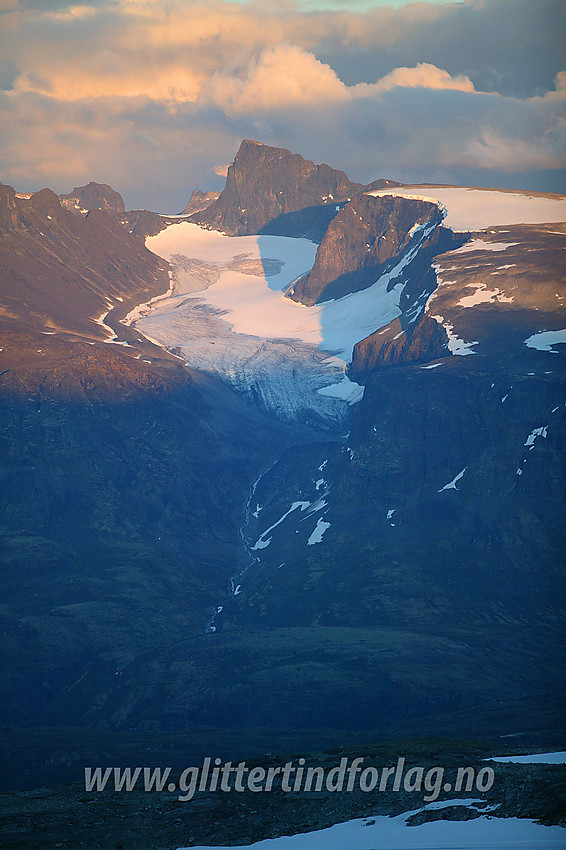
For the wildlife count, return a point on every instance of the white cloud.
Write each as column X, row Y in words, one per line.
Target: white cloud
column 286, row 75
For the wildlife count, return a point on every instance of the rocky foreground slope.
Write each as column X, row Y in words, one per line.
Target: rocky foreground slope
column 63, row 271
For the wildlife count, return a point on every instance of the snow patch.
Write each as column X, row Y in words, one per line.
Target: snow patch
column 536, row 432
column 452, row 484
column 534, row 758
column 392, row 833
column 482, row 245
column 545, row 340
column 317, row 535
column 483, row 295
column 455, row 344
column 261, row 542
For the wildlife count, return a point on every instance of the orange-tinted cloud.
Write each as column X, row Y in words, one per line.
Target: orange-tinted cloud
column 281, row 76
column 424, row 75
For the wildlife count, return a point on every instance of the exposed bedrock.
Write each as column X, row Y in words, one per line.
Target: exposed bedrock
column 266, row 184
column 366, row 239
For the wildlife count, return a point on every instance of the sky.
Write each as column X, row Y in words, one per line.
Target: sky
column 154, row 96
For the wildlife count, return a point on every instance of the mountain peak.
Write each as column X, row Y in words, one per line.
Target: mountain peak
column 199, row 201
column 267, row 186
column 93, row 196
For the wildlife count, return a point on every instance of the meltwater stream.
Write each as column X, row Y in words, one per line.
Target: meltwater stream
column 235, row 586
column 297, row 520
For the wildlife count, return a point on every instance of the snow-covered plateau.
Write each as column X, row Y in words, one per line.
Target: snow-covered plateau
column 470, row 209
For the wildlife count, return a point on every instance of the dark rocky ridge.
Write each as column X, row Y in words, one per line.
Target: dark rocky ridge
column 426, row 340
column 60, row 270
column 93, row 196
column 265, row 185
column 381, row 183
column 360, row 242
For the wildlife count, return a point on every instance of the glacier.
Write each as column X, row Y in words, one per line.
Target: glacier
column 226, row 313
column 469, row 209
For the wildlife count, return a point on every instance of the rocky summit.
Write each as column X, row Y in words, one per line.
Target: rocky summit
column 271, row 190
column 94, row 196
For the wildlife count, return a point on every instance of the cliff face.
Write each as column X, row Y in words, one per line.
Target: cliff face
column 359, row 243
column 426, row 341
column 266, row 187
column 8, row 208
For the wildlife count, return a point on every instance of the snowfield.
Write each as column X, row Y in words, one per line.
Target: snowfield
column 227, row 312
column 386, row 833
column 534, row 758
column 256, row 304
column 476, row 209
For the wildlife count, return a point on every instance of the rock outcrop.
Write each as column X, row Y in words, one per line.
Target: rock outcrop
column 360, row 242
column 271, row 190
column 200, row 201
column 93, row 196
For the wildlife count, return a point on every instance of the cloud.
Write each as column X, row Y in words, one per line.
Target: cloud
column 286, row 75
column 171, row 50
column 151, row 96
column 281, row 76
column 424, row 75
